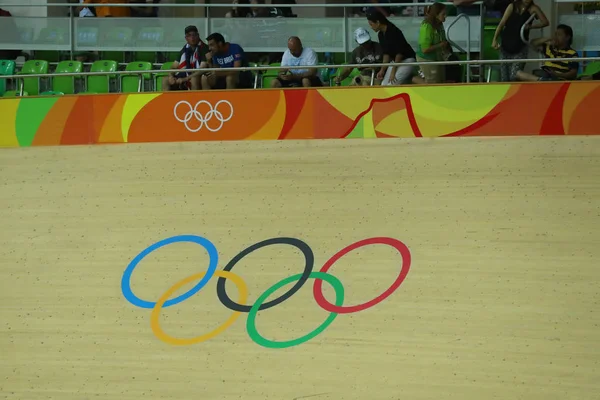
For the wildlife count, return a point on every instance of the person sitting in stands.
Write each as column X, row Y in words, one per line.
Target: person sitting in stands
column 367, row 52
column 558, row 47
column 226, row 55
column 433, row 45
column 104, row 11
column 239, row 12
column 191, row 57
column 297, row 55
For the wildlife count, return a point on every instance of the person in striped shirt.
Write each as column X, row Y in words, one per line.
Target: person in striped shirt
column 555, row 50
column 192, row 59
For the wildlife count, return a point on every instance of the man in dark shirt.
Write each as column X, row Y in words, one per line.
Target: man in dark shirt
column 367, row 52
column 395, row 50
column 226, row 55
column 191, row 57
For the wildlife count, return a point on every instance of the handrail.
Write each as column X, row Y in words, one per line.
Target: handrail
column 229, row 5
column 529, row 20
column 458, row 17
column 268, row 67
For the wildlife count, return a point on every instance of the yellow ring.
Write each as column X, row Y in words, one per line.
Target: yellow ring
column 162, row 335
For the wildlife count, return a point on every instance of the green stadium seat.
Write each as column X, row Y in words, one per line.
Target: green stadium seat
column 66, row 84
column 159, row 76
column 52, row 93
column 14, row 93
column 134, row 83
column 346, row 82
column 100, row 83
column 7, row 67
column 270, row 75
column 591, row 69
column 32, row 85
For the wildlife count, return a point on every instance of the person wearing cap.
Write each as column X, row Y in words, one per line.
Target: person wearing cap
column 302, row 58
column 367, row 52
column 191, row 57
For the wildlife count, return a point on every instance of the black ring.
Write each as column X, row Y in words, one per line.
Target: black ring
column 303, row 247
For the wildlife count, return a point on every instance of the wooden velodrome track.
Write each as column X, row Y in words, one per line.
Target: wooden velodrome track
column 494, row 244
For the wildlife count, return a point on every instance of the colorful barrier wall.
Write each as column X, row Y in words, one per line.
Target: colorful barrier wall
column 412, row 111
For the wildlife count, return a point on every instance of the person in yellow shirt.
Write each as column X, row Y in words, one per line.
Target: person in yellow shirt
column 103, row 11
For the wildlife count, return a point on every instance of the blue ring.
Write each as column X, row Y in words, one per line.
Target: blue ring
column 212, row 267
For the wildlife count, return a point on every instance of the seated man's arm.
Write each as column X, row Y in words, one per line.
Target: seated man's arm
column 541, row 42
column 285, row 62
column 310, row 60
column 569, row 75
column 227, row 71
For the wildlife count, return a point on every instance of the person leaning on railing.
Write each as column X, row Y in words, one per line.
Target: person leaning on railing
column 104, row 11
column 433, row 45
column 395, row 50
column 555, row 48
column 509, row 29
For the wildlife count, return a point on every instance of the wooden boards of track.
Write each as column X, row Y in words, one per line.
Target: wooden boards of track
column 498, row 298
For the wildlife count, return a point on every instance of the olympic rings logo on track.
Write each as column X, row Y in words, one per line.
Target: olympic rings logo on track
column 203, row 119
column 261, row 302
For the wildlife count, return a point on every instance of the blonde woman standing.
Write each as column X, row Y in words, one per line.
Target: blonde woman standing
column 433, row 45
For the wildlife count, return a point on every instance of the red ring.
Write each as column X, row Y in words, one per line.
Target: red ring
column 318, row 286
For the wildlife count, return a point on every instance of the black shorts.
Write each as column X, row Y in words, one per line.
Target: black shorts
column 176, row 87
column 246, row 81
column 315, row 81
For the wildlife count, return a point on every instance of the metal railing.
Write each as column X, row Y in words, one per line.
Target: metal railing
column 260, row 69
column 468, row 51
column 339, row 40
column 522, row 33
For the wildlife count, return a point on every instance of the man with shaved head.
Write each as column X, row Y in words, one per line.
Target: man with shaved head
column 303, row 58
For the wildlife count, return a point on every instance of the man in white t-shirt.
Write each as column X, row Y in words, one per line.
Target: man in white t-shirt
column 297, row 56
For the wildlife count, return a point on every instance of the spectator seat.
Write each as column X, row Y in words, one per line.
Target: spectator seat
column 135, row 82
column 7, row 67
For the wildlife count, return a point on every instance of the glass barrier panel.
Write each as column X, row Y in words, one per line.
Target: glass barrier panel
column 134, row 34
column 272, row 34
column 586, row 29
column 34, row 33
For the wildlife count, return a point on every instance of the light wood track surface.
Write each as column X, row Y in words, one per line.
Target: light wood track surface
column 501, row 300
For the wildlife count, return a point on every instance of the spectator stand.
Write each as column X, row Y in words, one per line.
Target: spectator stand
column 156, row 40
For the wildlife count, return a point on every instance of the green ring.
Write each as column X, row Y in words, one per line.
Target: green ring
column 262, row 341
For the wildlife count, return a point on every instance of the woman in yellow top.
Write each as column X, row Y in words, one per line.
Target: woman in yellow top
column 433, row 45
column 110, row 11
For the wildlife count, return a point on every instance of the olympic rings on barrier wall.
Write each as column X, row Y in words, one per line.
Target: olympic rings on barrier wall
column 193, row 113
column 260, row 303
